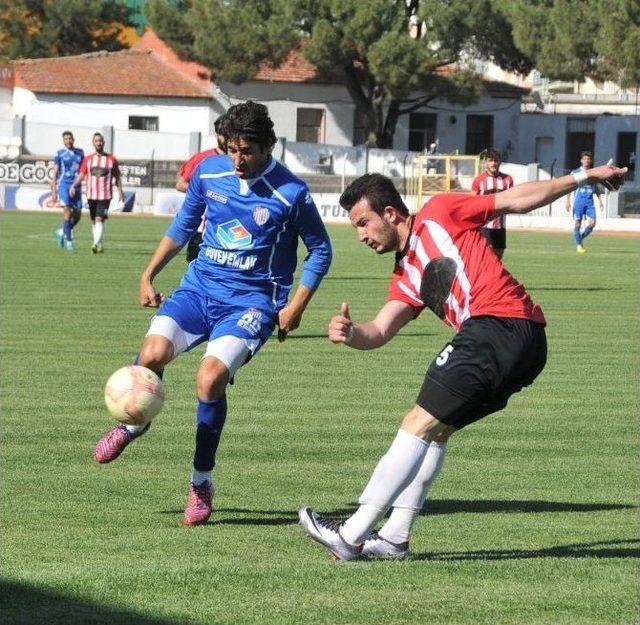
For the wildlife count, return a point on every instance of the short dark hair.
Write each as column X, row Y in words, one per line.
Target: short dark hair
column 378, row 189
column 491, row 153
column 67, row 133
column 98, row 134
column 249, row 121
column 586, row 153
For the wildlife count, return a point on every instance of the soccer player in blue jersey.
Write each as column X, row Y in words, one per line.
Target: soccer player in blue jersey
column 66, row 164
column 583, row 205
column 237, row 290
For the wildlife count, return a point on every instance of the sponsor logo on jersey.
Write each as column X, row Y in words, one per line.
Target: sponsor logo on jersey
column 233, row 235
column 216, row 196
column 251, row 320
column 261, row 215
column 231, row 259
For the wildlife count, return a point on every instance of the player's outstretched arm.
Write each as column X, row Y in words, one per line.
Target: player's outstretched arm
column 166, row 250
column 370, row 334
column 531, row 195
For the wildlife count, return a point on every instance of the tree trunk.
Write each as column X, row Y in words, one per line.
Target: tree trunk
column 389, row 129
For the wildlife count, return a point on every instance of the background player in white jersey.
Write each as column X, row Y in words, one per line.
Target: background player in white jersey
column 443, row 263
column 490, row 181
column 236, row 291
column 66, row 164
column 583, row 205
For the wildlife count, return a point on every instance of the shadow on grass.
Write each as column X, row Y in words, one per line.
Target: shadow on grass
column 23, row 604
column 249, row 516
column 607, row 549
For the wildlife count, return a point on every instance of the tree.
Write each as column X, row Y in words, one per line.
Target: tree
column 573, row 40
column 394, row 56
column 46, row 28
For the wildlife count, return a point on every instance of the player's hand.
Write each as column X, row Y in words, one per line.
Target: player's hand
column 610, row 176
column 341, row 326
column 72, row 191
column 288, row 320
column 149, row 297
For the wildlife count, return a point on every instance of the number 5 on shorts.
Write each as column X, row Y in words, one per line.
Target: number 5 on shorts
column 444, row 355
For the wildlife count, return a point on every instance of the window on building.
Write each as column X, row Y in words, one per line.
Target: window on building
column 359, row 127
column 626, row 155
column 479, row 133
column 581, row 136
column 422, row 130
column 310, row 125
column 143, row 123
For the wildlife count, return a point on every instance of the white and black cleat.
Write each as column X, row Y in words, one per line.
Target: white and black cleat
column 377, row 547
column 327, row 533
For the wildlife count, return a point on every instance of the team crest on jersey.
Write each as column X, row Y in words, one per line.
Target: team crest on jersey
column 233, row 235
column 261, row 215
column 251, row 320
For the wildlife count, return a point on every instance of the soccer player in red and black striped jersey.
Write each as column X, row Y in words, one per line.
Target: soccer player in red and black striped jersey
column 101, row 171
column 442, row 263
column 490, row 181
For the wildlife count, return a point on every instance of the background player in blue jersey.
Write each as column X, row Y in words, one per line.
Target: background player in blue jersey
column 236, row 291
column 583, row 205
column 66, row 164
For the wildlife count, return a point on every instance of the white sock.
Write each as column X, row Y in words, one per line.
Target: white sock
column 135, row 429
column 197, row 477
column 409, row 502
column 396, row 469
column 93, row 230
column 98, row 232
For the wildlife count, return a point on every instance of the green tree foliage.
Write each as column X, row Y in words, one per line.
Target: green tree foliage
column 46, row 28
column 573, row 40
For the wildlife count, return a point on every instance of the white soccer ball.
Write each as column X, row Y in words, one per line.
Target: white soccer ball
column 134, row 395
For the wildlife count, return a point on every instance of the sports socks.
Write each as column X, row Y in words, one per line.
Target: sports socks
column 210, row 418
column 98, row 231
column 586, row 232
column 67, row 226
column 409, row 502
column 395, row 471
column 577, row 237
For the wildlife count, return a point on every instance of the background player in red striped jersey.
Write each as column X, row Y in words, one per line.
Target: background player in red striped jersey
column 184, row 176
column 101, row 171
column 490, row 181
column 442, row 263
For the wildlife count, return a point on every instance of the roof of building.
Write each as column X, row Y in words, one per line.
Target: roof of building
column 126, row 72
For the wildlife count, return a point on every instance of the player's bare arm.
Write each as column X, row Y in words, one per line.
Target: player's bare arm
column 54, row 182
column 371, row 334
column 76, row 184
column 290, row 316
column 118, row 181
column 531, row 195
column 181, row 184
column 166, row 250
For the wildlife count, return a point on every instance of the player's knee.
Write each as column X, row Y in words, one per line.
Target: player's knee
column 424, row 425
column 212, row 380
column 155, row 353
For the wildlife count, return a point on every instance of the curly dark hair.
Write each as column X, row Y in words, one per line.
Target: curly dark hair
column 248, row 121
column 378, row 189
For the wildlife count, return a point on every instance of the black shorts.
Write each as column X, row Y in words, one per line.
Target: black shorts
column 99, row 208
column 193, row 247
column 497, row 237
column 475, row 374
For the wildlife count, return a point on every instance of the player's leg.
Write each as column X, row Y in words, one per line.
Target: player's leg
column 179, row 326
column 578, row 214
column 237, row 336
column 101, row 216
column 590, row 214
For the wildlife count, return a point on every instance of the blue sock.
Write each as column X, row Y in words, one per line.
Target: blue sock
column 576, row 235
column 587, row 231
column 66, row 228
column 210, row 418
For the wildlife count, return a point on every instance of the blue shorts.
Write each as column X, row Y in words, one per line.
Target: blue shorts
column 199, row 318
column 584, row 210
column 75, row 202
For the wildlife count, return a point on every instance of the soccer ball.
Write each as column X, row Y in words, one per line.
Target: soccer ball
column 134, row 395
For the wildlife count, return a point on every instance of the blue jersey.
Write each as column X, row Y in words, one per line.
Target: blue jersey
column 248, row 252
column 68, row 162
column 583, row 195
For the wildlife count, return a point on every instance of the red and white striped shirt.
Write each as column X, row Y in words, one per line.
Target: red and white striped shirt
column 449, row 267
column 100, row 170
column 486, row 184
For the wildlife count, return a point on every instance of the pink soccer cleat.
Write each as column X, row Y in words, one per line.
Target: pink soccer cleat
column 198, row 509
column 112, row 444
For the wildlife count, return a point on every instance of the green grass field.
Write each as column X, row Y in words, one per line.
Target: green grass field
column 534, row 519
